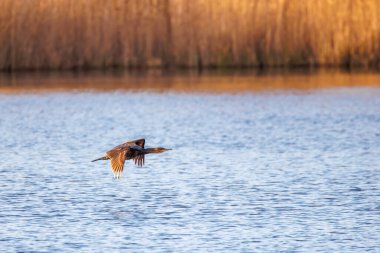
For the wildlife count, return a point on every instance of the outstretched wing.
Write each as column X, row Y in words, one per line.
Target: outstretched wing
column 139, row 142
column 138, row 155
column 126, row 145
column 117, row 160
column 139, row 160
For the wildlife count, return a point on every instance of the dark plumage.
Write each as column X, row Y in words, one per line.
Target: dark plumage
column 129, row 150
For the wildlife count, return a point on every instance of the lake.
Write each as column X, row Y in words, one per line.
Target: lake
column 273, row 162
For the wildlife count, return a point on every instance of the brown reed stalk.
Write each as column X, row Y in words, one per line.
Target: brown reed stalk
column 70, row 34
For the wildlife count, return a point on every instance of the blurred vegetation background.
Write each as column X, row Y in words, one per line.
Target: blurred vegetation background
column 81, row 34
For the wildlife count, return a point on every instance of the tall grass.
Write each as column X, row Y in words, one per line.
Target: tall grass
column 64, row 34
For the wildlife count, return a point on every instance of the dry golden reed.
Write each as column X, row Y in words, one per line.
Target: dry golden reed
column 64, row 34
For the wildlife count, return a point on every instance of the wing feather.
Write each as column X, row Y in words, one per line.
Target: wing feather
column 139, row 160
column 117, row 160
column 139, row 142
column 138, row 155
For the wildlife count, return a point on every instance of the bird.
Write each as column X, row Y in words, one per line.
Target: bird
column 129, row 150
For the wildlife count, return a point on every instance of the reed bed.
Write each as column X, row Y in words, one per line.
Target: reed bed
column 80, row 34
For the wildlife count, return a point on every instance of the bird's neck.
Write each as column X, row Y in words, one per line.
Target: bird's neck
column 152, row 151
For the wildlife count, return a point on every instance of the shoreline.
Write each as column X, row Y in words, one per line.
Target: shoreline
column 184, row 81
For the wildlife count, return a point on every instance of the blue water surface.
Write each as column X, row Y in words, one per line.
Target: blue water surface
column 289, row 171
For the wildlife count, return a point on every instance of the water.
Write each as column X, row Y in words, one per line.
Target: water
column 272, row 171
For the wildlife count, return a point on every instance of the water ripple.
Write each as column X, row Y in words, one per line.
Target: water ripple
column 247, row 173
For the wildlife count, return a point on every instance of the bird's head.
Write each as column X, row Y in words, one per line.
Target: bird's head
column 161, row 150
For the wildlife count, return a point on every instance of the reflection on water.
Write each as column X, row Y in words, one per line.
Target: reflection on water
column 257, row 172
column 156, row 80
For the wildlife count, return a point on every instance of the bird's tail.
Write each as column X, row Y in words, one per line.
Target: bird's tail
column 101, row 158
